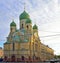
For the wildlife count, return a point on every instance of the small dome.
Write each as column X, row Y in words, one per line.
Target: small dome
column 24, row 15
column 28, row 20
column 13, row 23
column 35, row 27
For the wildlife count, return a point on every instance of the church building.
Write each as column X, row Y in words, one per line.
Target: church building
column 24, row 44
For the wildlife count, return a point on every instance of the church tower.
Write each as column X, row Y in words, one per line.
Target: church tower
column 29, row 25
column 12, row 27
column 23, row 17
column 25, row 22
column 35, row 30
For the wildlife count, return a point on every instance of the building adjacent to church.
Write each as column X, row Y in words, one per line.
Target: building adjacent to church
column 1, row 52
column 24, row 43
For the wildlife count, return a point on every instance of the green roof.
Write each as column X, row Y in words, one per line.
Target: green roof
column 24, row 15
column 13, row 23
column 7, row 43
column 28, row 20
column 16, row 38
column 35, row 27
column 25, row 40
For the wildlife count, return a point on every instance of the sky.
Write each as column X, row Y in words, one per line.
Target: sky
column 44, row 13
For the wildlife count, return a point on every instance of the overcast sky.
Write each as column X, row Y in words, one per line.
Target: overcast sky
column 45, row 13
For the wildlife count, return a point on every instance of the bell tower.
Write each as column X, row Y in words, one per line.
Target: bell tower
column 22, row 18
column 35, row 29
column 12, row 27
column 28, row 25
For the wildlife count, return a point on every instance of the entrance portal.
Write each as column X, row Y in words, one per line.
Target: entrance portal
column 22, row 57
column 13, row 59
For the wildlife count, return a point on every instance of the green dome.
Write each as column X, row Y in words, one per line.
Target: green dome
column 35, row 27
column 28, row 21
column 24, row 15
column 13, row 23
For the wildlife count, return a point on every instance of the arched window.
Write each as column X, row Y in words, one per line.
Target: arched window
column 22, row 25
column 22, row 57
column 11, row 29
column 27, row 27
column 5, row 58
column 13, row 58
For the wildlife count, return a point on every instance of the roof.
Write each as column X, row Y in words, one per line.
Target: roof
column 28, row 20
column 13, row 23
column 35, row 27
column 24, row 15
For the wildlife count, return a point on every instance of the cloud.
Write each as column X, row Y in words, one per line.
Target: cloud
column 45, row 13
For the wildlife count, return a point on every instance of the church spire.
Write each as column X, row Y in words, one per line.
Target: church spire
column 24, row 6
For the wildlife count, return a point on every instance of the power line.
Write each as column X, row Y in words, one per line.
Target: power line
column 48, row 39
column 50, row 35
column 49, row 31
column 44, row 36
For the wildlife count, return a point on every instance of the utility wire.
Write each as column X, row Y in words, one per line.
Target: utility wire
column 49, row 31
column 50, row 36
column 45, row 36
column 48, row 39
